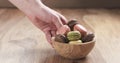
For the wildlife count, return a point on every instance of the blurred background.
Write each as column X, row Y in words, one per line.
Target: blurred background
column 74, row 3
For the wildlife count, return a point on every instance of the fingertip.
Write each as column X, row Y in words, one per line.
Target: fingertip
column 63, row 19
column 49, row 40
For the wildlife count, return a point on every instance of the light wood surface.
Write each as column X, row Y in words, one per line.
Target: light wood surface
column 22, row 42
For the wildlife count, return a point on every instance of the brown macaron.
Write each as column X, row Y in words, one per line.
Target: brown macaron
column 88, row 37
column 61, row 38
column 71, row 24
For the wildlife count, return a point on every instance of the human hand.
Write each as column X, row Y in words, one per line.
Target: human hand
column 46, row 19
column 49, row 21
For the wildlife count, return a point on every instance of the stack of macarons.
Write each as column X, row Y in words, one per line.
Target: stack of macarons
column 73, row 33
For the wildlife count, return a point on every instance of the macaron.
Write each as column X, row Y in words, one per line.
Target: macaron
column 88, row 37
column 73, row 35
column 75, row 42
column 61, row 38
column 71, row 24
column 81, row 29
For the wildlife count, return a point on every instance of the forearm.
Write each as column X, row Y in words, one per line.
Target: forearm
column 27, row 5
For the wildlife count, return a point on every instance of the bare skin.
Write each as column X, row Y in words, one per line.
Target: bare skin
column 45, row 18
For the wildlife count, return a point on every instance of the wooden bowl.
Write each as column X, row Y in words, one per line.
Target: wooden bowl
column 73, row 51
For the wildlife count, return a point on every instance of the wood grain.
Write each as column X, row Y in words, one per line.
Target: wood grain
column 22, row 42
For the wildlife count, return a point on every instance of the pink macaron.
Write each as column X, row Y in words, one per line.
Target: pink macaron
column 81, row 29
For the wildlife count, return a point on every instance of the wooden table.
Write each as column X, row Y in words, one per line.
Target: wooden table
column 22, row 42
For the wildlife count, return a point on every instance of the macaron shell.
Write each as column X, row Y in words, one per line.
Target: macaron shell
column 88, row 37
column 73, row 35
column 61, row 38
column 81, row 29
column 71, row 23
column 75, row 42
column 63, row 30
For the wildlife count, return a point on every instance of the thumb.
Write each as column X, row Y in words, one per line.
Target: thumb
column 48, row 36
